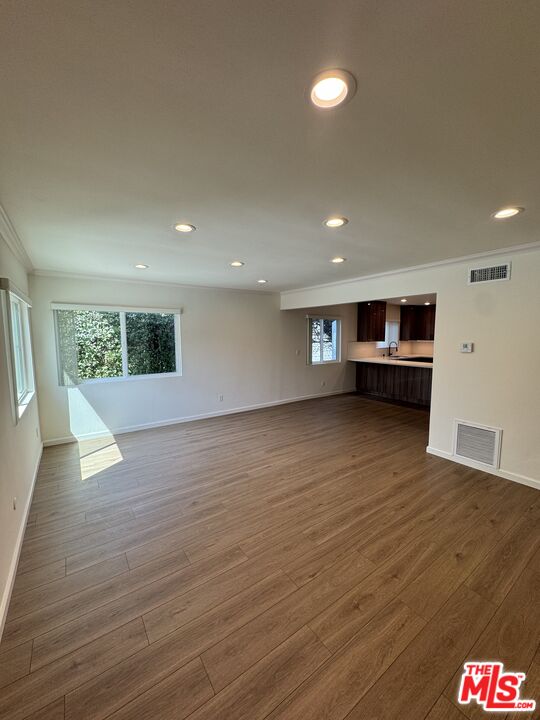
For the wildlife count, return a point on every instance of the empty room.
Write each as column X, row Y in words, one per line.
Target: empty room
column 269, row 360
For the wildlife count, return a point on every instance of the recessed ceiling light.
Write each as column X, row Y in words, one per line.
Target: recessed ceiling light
column 336, row 221
column 427, row 303
column 237, row 263
column 403, row 299
column 331, row 88
column 140, row 266
column 262, row 282
column 184, row 227
column 507, row 212
column 338, row 260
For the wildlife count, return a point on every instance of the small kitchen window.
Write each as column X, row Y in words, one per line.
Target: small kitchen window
column 391, row 334
column 323, row 340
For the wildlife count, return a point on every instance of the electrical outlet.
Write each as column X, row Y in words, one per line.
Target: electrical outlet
column 466, row 347
column 297, row 353
column 220, row 397
column 323, row 383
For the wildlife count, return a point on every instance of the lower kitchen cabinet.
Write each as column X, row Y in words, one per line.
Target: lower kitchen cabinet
column 395, row 382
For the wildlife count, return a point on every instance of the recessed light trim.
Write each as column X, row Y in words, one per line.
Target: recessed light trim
column 337, row 260
column 237, row 263
column 142, row 266
column 403, row 299
column 184, row 227
column 331, row 88
column 335, row 221
column 508, row 212
column 262, row 281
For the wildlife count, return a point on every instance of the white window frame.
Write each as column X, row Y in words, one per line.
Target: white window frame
column 122, row 310
column 24, row 370
column 388, row 325
column 310, row 360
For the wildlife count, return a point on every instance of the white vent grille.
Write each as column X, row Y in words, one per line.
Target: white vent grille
column 478, row 443
column 489, row 274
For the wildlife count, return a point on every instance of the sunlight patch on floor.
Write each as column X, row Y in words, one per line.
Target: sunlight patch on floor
column 98, row 453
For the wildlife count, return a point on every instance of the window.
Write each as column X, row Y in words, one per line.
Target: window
column 19, row 347
column 323, row 340
column 105, row 343
column 391, row 334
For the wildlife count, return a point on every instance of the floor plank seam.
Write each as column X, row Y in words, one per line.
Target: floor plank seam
column 71, row 594
column 85, row 644
column 126, row 536
column 101, row 606
column 145, row 629
column 136, row 547
column 451, row 675
column 297, row 586
column 207, row 674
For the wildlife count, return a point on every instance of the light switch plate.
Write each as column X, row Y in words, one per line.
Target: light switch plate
column 466, row 347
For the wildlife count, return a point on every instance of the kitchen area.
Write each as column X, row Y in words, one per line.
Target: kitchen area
column 394, row 349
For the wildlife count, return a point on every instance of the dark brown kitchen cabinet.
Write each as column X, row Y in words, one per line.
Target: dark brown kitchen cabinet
column 427, row 326
column 371, row 321
column 408, row 322
column 417, row 322
column 410, row 385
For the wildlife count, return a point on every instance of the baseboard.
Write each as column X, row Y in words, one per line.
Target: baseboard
column 8, row 589
column 191, row 418
column 505, row 474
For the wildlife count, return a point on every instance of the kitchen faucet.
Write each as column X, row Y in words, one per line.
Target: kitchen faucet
column 393, row 342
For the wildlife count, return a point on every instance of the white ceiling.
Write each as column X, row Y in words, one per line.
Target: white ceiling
column 119, row 118
column 414, row 299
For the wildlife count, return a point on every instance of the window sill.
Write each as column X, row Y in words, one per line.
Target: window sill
column 24, row 403
column 325, row 362
column 128, row 378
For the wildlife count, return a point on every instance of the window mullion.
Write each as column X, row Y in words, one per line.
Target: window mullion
column 321, row 339
column 123, row 342
column 177, row 341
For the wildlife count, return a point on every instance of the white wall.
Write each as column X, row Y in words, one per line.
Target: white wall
column 20, row 450
column 499, row 383
column 238, row 344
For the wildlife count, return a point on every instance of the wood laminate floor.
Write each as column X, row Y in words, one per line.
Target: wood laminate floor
column 304, row 561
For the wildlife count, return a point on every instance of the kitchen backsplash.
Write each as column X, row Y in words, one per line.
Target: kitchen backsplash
column 370, row 349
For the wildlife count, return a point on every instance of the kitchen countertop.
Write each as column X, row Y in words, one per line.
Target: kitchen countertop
column 380, row 360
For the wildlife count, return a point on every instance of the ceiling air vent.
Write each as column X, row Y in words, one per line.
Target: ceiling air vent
column 477, row 443
column 489, row 274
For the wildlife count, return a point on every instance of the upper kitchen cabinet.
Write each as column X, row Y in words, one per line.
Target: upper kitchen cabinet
column 417, row 322
column 371, row 321
column 428, row 323
column 408, row 322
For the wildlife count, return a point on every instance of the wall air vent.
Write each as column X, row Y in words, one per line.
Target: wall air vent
column 493, row 273
column 477, row 443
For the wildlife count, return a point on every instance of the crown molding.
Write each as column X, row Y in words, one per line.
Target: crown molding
column 112, row 278
column 12, row 240
column 516, row 249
